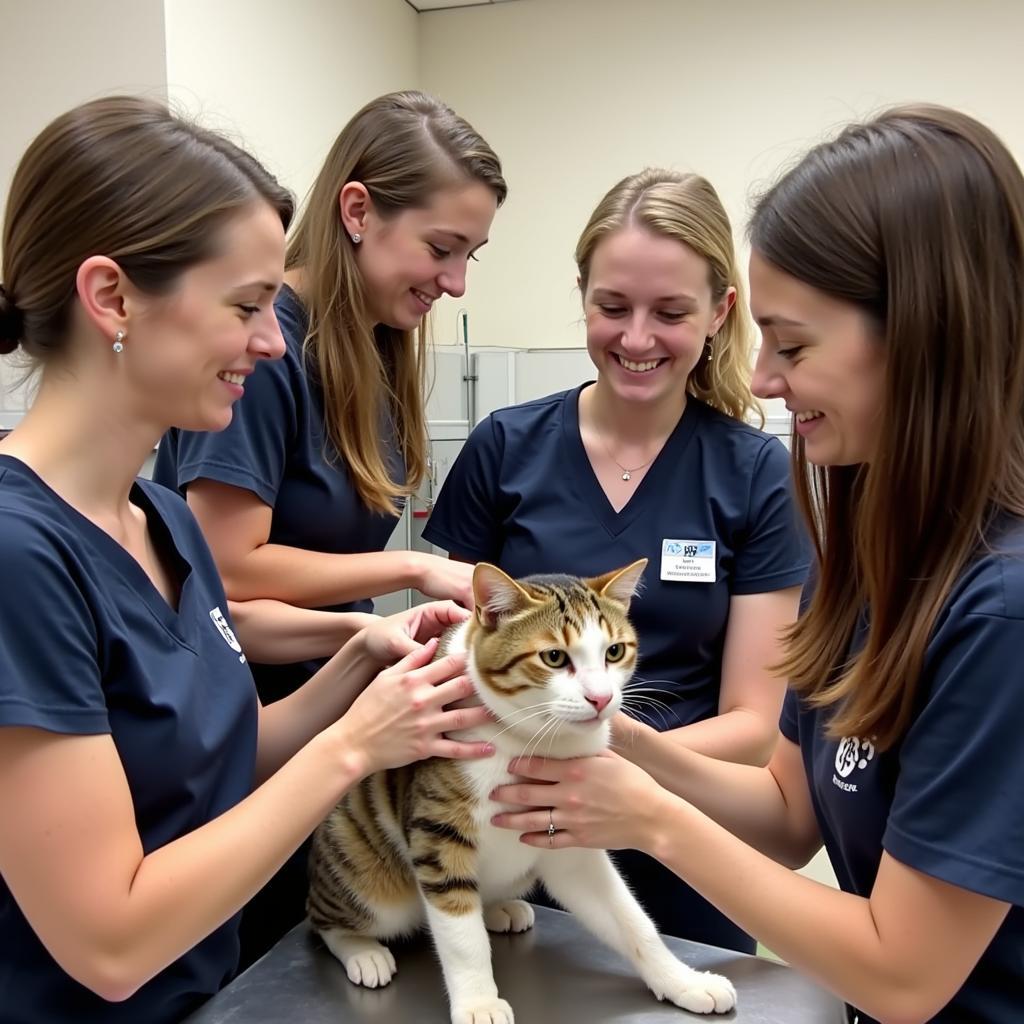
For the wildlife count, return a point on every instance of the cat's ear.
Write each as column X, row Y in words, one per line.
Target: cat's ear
column 495, row 593
column 620, row 584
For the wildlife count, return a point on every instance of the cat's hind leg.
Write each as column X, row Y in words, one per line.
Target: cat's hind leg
column 586, row 883
column 360, row 891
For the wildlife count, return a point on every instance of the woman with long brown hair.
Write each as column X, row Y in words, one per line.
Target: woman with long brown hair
column 887, row 275
column 299, row 495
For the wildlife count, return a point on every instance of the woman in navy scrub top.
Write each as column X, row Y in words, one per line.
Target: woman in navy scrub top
column 655, row 460
column 299, row 495
column 141, row 256
column 886, row 274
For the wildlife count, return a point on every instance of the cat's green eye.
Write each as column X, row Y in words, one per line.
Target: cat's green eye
column 554, row 658
column 615, row 652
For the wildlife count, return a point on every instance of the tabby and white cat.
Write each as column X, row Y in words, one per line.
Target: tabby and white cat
column 549, row 655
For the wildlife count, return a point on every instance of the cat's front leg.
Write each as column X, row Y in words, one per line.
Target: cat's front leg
column 586, row 883
column 508, row 916
column 464, row 949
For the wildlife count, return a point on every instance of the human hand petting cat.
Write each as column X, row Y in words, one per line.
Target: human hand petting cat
column 603, row 802
column 395, row 636
column 444, row 578
column 402, row 716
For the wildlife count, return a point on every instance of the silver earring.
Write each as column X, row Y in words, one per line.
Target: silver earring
column 118, row 345
column 357, row 238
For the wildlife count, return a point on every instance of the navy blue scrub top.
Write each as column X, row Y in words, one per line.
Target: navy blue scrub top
column 523, row 495
column 89, row 646
column 276, row 446
column 946, row 800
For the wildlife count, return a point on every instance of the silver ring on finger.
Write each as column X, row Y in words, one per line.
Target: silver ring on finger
column 551, row 826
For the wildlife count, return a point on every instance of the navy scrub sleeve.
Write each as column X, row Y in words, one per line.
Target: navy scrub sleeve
column 88, row 646
column 522, row 494
column 276, row 447
column 946, row 800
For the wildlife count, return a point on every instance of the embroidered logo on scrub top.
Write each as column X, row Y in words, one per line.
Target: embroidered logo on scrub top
column 225, row 631
column 852, row 753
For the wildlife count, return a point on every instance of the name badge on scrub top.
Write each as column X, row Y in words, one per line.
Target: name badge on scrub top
column 688, row 561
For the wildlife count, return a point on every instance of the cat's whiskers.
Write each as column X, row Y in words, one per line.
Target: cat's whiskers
column 645, row 717
column 634, row 703
column 631, row 693
column 520, row 721
column 632, row 687
column 553, row 735
column 550, row 726
column 529, row 707
column 636, row 697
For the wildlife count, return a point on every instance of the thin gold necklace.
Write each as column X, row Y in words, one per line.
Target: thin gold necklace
column 627, row 474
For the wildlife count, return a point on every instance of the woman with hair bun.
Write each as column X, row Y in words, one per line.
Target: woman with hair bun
column 145, row 794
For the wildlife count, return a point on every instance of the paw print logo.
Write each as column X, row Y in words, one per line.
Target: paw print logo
column 673, row 547
column 853, row 753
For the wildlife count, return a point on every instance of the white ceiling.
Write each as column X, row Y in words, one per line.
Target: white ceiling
column 438, row 5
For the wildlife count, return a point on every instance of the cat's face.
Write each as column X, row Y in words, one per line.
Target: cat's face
column 552, row 652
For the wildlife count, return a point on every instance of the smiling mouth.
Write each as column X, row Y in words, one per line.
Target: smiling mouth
column 427, row 300
column 642, row 367
column 237, row 379
column 810, row 414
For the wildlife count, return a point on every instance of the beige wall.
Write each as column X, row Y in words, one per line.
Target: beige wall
column 281, row 78
column 285, row 77
column 53, row 55
column 56, row 53
column 574, row 94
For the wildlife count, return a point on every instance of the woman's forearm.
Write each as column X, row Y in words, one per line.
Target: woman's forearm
column 745, row 799
column 890, row 953
column 274, row 633
column 740, row 735
column 287, row 725
column 316, row 579
column 134, row 913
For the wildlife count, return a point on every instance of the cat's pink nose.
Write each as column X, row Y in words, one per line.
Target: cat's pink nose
column 600, row 701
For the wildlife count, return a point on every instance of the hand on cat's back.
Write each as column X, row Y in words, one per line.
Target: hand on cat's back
column 396, row 636
column 402, row 716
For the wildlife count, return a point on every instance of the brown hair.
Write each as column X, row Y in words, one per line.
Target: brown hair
column 917, row 218
column 125, row 178
column 686, row 208
column 403, row 147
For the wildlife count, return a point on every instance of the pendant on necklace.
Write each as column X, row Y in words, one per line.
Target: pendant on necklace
column 625, row 474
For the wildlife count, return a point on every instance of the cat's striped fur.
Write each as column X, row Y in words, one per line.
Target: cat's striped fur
column 549, row 655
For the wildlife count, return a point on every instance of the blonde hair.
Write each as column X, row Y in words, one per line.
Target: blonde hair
column 402, row 147
column 686, row 208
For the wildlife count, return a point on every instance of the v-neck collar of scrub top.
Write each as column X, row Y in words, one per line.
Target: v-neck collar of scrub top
column 665, row 463
column 175, row 621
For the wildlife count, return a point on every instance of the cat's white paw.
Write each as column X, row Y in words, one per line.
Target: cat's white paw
column 486, row 1011
column 698, row 991
column 366, row 961
column 373, row 969
column 509, row 916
